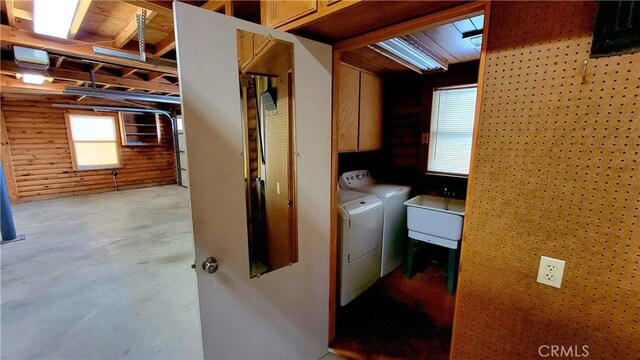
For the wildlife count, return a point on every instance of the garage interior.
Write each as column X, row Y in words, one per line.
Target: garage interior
column 94, row 158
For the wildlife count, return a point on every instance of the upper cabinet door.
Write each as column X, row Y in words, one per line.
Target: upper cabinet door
column 370, row 132
column 245, row 49
column 348, row 104
column 282, row 314
column 278, row 12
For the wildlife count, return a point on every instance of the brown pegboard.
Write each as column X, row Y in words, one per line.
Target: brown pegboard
column 556, row 174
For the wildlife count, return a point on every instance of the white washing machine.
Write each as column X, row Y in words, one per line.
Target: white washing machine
column 360, row 243
column 395, row 214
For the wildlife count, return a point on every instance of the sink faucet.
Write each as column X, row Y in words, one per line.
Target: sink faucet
column 447, row 194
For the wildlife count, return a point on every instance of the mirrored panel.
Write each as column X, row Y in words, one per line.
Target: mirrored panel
column 268, row 124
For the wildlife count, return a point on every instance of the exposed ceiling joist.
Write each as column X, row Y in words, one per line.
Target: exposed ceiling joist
column 59, row 61
column 214, row 5
column 127, row 72
column 154, row 75
column 74, row 48
column 11, row 68
column 11, row 13
column 217, row 5
column 164, row 7
column 165, row 45
column 81, row 12
column 131, row 30
column 15, row 15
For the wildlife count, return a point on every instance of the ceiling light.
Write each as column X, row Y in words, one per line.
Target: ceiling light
column 31, row 58
column 54, row 18
column 413, row 51
column 33, row 79
column 474, row 37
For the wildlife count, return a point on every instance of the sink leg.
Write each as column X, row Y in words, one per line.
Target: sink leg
column 452, row 271
column 412, row 249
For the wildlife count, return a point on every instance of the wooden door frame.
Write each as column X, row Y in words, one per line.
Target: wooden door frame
column 428, row 21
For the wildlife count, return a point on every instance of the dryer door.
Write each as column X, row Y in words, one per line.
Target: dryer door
column 365, row 230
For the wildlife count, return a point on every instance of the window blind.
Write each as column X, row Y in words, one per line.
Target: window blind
column 451, row 133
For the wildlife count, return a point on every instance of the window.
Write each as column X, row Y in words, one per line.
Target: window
column 180, row 124
column 95, row 141
column 452, row 118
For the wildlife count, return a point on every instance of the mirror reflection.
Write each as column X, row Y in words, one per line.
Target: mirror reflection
column 266, row 77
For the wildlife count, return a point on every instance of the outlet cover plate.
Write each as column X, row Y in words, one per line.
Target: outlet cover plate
column 550, row 271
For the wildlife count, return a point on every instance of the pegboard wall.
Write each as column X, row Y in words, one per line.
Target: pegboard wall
column 556, row 174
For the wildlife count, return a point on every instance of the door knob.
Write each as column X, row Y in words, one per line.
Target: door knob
column 210, row 265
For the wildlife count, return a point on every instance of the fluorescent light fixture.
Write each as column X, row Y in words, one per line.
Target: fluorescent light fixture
column 53, row 18
column 474, row 37
column 414, row 52
column 33, row 79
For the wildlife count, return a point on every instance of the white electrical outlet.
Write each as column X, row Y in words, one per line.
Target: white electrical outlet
column 550, row 271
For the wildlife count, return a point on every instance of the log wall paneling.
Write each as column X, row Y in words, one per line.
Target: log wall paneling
column 41, row 156
column 556, row 173
column 7, row 162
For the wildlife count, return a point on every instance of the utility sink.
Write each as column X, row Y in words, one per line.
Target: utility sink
column 435, row 220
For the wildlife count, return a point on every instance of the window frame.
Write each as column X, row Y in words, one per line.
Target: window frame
column 72, row 148
column 473, row 129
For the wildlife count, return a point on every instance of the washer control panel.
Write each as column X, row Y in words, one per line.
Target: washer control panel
column 356, row 178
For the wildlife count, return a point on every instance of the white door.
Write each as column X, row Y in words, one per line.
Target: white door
column 282, row 314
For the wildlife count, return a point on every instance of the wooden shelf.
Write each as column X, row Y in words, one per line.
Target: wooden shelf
column 140, row 129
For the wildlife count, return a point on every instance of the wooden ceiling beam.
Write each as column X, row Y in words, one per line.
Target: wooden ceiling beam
column 15, row 15
column 127, row 72
column 165, row 45
column 164, row 7
column 11, row 15
column 12, row 85
column 78, row 17
column 217, row 5
column 154, row 75
column 59, row 61
column 73, row 48
column 214, row 5
column 11, row 68
column 131, row 30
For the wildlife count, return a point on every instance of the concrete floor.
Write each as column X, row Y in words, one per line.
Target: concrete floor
column 103, row 276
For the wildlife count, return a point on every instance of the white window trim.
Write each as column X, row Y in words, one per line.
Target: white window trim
column 431, row 138
column 72, row 147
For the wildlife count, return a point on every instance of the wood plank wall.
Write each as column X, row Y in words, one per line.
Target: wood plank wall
column 407, row 115
column 40, row 152
column 556, row 173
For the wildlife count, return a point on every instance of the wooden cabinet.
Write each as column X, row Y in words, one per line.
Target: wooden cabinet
column 370, row 130
column 245, row 48
column 262, row 54
column 259, row 43
column 348, row 108
column 328, row 2
column 277, row 12
column 359, row 110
